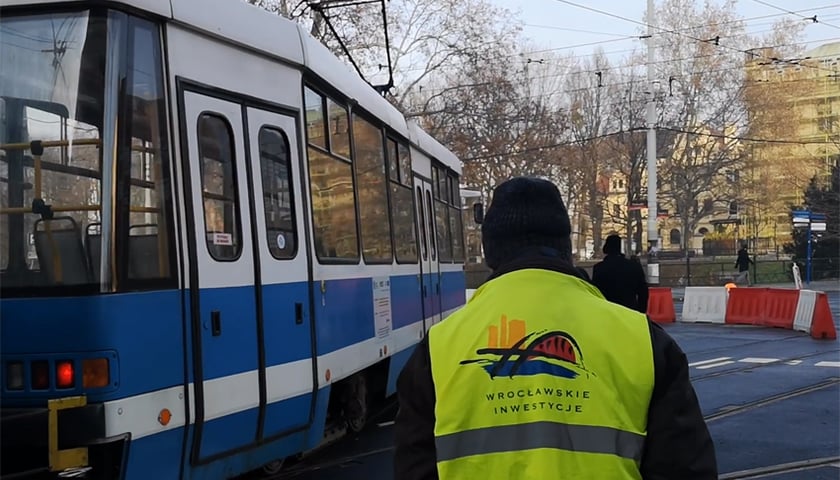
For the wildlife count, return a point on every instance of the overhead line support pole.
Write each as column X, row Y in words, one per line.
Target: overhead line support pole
column 653, row 267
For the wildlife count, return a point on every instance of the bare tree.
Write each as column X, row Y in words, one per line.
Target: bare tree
column 495, row 126
column 589, row 124
column 702, row 48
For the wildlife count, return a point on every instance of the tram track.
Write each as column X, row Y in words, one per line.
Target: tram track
column 309, row 462
column 773, row 470
column 786, row 395
column 321, row 459
column 305, row 467
column 751, row 367
column 745, row 344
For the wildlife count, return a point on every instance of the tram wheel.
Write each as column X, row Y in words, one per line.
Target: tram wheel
column 356, row 404
column 273, row 467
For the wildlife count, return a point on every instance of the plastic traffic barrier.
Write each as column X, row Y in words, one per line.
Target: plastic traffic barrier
column 780, row 307
column 660, row 307
column 704, row 304
column 746, row 306
column 813, row 315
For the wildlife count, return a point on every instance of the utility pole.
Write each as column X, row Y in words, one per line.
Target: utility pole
column 653, row 266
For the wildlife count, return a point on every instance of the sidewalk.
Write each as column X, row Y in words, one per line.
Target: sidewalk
column 820, row 286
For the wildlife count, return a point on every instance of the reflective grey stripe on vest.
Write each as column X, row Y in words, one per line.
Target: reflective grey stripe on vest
column 512, row 438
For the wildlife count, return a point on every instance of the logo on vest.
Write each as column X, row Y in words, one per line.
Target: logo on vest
column 513, row 351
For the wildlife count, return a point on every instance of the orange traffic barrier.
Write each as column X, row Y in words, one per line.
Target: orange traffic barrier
column 746, row 306
column 822, row 326
column 779, row 307
column 660, row 307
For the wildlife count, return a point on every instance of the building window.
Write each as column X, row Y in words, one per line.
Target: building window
column 675, row 237
column 277, row 184
column 218, row 187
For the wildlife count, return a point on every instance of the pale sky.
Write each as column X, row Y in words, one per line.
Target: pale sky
column 545, row 21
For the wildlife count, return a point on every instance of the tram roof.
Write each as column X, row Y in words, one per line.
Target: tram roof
column 254, row 28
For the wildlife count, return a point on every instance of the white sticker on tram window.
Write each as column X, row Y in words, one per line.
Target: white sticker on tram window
column 222, row 239
column 281, row 241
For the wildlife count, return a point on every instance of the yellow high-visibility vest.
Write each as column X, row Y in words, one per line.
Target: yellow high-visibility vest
column 539, row 377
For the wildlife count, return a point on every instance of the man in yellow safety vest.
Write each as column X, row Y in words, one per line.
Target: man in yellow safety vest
column 538, row 376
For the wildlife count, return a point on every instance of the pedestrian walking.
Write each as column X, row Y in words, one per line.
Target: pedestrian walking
column 620, row 279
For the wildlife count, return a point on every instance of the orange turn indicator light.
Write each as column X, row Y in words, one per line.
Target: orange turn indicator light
column 95, row 372
column 164, row 417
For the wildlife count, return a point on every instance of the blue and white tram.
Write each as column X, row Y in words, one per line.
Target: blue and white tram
column 215, row 239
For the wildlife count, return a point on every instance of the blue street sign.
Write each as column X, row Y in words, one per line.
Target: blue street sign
column 814, row 222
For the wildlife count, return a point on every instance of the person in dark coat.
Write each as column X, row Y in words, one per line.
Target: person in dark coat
column 743, row 264
column 620, row 279
column 678, row 444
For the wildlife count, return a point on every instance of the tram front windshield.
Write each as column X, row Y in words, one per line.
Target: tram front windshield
column 82, row 154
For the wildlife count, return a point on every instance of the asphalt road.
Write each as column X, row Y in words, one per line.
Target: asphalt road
column 770, row 397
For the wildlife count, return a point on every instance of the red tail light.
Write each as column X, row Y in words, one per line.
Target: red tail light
column 40, row 375
column 64, row 375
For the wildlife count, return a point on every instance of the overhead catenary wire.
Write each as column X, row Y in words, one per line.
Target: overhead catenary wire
column 663, row 30
column 571, row 71
column 534, row 53
column 639, row 129
column 695, row 27
column 815, row 18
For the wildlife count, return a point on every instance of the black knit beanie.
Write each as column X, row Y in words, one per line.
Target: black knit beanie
column 525, row 212
column 612, row 245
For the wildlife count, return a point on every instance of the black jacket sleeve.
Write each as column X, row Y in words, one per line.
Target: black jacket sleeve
column 678, row 443
column 414, row 427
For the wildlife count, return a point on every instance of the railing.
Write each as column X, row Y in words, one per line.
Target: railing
column 698, row 271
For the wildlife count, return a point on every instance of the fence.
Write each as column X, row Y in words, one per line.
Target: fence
column 704, row 272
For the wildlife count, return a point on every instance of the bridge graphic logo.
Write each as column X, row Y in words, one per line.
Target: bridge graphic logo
column 513, row 351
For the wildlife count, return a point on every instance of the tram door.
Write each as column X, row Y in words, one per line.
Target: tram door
column 249, row 287
column 430, row 269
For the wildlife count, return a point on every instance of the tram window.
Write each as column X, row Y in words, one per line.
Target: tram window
column 456, row 225
column 149, row 230
column 402, row 217
column 89, row 164
column 431, row 224
column 406, row 178
column 333, row 207
column 218, row 185
column 444, row 236
column 393, row 161
column 339, row 129
column 372, row 188
column 421, row 225
column 277, row 193
column 443, row 185
column 69, row 177
column 314, row 105
column 402, row 207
